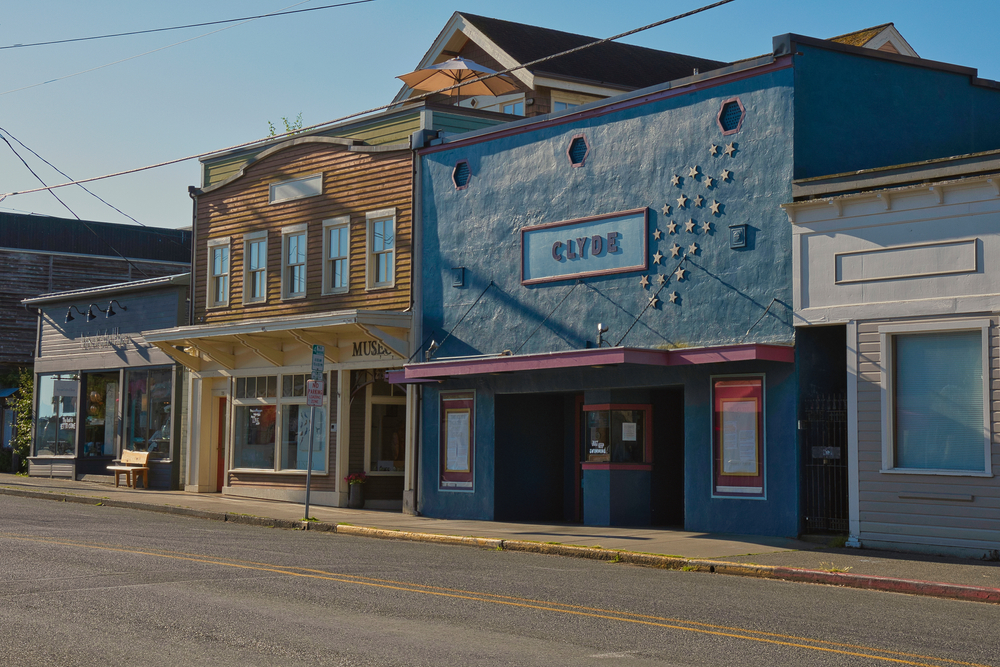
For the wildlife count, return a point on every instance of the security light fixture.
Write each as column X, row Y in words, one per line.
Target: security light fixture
column 90, row 311
column 112, row 313
column 69, row 313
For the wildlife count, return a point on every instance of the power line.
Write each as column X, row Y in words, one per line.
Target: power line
column 181, row 27
column 92, row 194
column 374, row 109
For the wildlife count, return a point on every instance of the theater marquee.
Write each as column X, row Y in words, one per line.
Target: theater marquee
column 595, row 246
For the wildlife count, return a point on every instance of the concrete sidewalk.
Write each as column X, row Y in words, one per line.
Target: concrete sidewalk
column 778, row 558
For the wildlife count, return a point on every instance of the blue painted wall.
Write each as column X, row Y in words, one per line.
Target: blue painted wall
column 903, row 112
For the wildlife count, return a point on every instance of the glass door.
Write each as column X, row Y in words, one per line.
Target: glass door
column 102, row 413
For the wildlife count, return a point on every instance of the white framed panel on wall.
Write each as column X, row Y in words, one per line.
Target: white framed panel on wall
column 457, row 441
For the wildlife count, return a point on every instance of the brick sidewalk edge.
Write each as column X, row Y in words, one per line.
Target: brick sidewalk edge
column 844, row 579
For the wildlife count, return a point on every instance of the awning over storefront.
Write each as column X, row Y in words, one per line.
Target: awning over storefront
column 378, row 333
column 8, row 391
column 595, row 357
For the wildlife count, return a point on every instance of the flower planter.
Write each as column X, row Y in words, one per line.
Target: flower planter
column 356, row 496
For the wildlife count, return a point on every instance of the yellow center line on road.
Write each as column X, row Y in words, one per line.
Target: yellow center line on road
column 759, row 636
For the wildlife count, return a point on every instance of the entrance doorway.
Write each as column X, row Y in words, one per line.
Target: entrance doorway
column 667, row 480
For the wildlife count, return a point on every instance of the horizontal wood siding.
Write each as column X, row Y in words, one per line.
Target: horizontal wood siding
column 887, row 514
column 389, row 131
column 353, row 184
column 30, row 274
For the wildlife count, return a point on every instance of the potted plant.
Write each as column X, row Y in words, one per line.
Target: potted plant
column 356, row 486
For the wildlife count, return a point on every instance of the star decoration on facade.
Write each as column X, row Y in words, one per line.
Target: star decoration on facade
column 671, row 227
column 682, row 201
column 675, row 180
column 653, row 300
column 657, row 234
column 673, row 297
column 706, row 227
column 709, row 181
column 714, row 207
column 693, row 249
column 674, row 250
column 680, row 273
column 725, row 174
column 714, row 150
column 657, row 257
column 666, row 209
column 689, row 226
column 661, row 279
column 730, row 149
column 693, row 172
column 699, row 200
column 644, row 281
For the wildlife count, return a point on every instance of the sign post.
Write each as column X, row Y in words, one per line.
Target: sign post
column 314, row 399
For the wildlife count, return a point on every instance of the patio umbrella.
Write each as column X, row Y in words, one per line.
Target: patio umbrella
column 457, row 70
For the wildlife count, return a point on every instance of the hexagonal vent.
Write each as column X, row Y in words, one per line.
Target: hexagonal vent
column 461, row 174
column 730, row 116
column 578, row 150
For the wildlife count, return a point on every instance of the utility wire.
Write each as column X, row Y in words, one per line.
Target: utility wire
column 84, row 222
column 373, row 109
column 92, row 194
column 181, row 27
column 162, row 48
column 578, row 283
column 464, row 316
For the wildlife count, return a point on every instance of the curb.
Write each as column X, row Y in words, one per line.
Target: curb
column 778, row 572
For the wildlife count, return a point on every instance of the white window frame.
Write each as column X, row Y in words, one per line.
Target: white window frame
column 340, row 222
column 286, row 233
column 213, row 245
column 309, row 186
column 887, row 391
column 248, row 240
column 371, row 400
column 571, row 99
column 278, row 401
column 370, row 219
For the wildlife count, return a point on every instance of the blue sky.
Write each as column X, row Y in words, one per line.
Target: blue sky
column 223, row 88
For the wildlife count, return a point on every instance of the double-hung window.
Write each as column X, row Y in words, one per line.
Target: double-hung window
column 381, row 248
column 936, row 397
column 218, row 272
column 255, row 267
column 293, row 261
column 337, row 254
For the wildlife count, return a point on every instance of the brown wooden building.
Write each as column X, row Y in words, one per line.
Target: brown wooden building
column 307, row 240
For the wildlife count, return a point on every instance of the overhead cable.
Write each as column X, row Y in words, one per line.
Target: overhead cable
column 374, row 109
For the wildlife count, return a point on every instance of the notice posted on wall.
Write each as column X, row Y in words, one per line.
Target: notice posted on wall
column 739, row 437
column 628, row 432
column 457, row 448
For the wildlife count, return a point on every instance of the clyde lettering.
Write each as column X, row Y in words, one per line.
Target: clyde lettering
column 578, row 248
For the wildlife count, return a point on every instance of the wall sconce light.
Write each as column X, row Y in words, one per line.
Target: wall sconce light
column 112, row 313
column 458, row 276
column 90, row 312
column 601, row 330
column 737, row 236
column 69, row 313
column 431, row 349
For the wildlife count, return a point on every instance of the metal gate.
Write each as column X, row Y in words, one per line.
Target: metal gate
column 824, row 439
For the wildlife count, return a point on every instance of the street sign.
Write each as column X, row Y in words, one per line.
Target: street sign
column 314, row 393
column 318, row 362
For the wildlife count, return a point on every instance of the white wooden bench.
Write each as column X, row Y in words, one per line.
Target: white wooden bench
column 132, row 465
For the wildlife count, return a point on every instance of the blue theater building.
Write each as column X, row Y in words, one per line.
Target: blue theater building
column 606, row 292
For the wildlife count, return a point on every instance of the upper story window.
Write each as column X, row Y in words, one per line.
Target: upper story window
column 255, row 267
column 514, row 108
column 562, row 101
column 296, row 188
column 337, row 255
column 293, row 261
column 381, row 247
column 218, row 272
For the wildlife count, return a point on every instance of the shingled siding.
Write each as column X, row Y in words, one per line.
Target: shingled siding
column 29, row 274
column 913, row 508
column 354, row 183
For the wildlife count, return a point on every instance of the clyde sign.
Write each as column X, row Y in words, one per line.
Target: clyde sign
column 595, row 246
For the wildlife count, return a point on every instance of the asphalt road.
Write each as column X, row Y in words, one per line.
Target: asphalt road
column 89, row 585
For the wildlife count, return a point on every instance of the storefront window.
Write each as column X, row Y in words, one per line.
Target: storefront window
column 295, row 438
column 615, row 434
column 102, row 414
column 253, row 436
column 147, row 411
column 55, row 428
